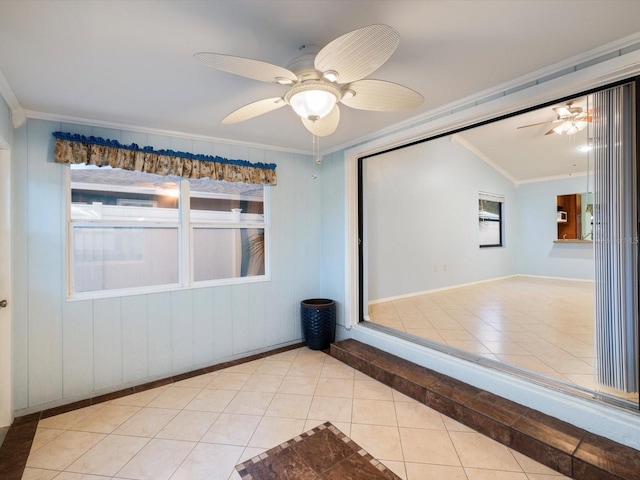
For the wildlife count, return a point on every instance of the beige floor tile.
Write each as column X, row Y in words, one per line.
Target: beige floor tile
column 401, row 397
column 372, row 390
column 477, row 451
column 44, row 436
column 67, row 420
column 396, row 467
column 250, row 403
column 380, row 441
column 422, row 471
column 374, row 412
column 211, row 400
column 298, row 385
column 63, row 450
column 208, row 461
column 158, row 460
column 229, row 380
column 140, row 399
column 288, row 405
column 417, row 415
column 232, row 429
column 189, row 426
column 530, row 466
column 147, row 422
column 273, row 431
column 249, row 367
column 108, row 456
column 334, row 387
column 274, row 367
column 428, row 446
column 174, row 398
column 79, row 476
column 259, row 382
column 334, row 370
column 306, row 369
column 454, row 426
column 38, row 474
column 480, row 474
column 332, row 409
column 107, row 419
column 307, row 355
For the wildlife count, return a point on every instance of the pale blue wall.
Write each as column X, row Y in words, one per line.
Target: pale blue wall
column 537, row 229
column 69, row 350
column 423, row 215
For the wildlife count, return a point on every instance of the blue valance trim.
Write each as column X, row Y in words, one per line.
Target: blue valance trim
column 74, row 137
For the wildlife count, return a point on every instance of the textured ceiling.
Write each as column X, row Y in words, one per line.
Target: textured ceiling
column 130, row 62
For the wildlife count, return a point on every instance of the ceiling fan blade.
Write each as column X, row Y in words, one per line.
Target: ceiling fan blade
column 539, row 123
column 562, row 111
column 254, row 109
column 381, row 96
column 247, row 67
column 357, row 54
column 551, row 131
column 325, row 125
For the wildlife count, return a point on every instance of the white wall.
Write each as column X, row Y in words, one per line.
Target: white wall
column 536, row 254
column 69, row 350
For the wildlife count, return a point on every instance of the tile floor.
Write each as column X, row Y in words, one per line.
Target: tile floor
column 541, row 325
column 202, row 427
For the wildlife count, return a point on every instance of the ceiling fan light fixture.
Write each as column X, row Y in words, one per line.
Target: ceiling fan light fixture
column 347, row 94
column 284, row 81
column 313, row 100
column 330, row 76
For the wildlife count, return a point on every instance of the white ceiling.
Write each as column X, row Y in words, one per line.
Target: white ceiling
column 130, row 62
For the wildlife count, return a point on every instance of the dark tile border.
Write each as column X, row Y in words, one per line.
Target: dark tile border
column 17, row 444
column 566, row 448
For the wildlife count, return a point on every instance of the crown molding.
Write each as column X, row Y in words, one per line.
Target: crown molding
column 473, row 149
column 54, row 117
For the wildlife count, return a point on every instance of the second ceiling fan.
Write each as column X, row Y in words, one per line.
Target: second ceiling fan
column 319, row 80
column 570, row 119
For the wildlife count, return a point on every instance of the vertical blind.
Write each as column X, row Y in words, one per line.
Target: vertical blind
column 616, row 238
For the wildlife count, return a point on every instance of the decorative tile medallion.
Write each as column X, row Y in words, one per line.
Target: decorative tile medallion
column 323, row 453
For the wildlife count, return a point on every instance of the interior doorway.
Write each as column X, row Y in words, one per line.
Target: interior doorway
column 6, row 377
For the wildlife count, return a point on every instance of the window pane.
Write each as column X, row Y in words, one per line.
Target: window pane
column 489, row 210
column 106, row 258
column 216, row 200
column 227, row 253
column 489, row 233
column 113, row 194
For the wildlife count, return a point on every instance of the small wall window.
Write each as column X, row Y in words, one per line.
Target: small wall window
column 490, row 216
column 132, row 230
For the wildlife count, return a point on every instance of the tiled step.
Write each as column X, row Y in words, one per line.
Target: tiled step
column 567, row 449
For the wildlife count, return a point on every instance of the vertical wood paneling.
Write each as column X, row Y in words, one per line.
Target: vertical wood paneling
column 222, row 322
column 77, row 356
column 135, row 360
column 242, row 339
column 107, row 337
column 181, row 330
column 159, row 333
column 74, row 349
column 203, row 326
column 45, row 224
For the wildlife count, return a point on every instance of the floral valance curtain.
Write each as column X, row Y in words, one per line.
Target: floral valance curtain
column 72, row 148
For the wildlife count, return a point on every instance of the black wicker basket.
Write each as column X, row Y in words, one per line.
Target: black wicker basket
column 318, row 322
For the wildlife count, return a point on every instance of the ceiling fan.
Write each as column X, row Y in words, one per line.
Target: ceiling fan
column 571, row 120
column 319, row 80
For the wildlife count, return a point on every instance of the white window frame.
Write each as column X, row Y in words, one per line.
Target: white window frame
column 185, row 245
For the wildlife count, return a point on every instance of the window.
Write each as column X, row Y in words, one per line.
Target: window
column 133, row 230
column 490, row 219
